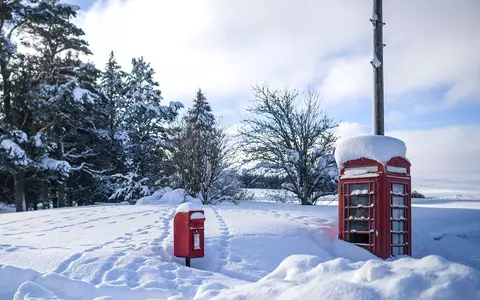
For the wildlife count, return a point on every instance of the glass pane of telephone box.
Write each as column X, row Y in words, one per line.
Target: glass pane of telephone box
column 398, row 250
column 358, row 188
column 398, row 239
column 398, row 226
column 398, row 200
column 359, row 226
column 398, row 189
column 358, row 213
column 398, row 214
column 359, row 200
column 358, row 238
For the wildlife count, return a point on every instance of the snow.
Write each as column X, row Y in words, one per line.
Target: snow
column 254, row 250
column 375, row 61
column 71, row 6
column 80, row 94
column 168, row 196
column 175, row 105
column 188, row 206
column 19, row 135
column 197, row 216
column 56, row 165
column 12, row 148
column 374, row 15
column 377, row 147
column 155, row 198
column 38, row 140
column 15, row 152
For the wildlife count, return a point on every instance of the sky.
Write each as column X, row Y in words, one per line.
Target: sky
column 431, row 65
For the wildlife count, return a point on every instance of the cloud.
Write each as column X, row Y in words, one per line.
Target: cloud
column 445, row 161
column 226, row 47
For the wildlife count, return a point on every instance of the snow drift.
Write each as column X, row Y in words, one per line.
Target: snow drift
column 254, row 250
column 307, row 277
column 168, row 196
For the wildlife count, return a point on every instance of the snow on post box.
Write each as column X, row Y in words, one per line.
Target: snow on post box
column 188, row 231
column 374, row 200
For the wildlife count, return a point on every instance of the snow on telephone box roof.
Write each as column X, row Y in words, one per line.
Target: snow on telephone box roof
column 377, row 147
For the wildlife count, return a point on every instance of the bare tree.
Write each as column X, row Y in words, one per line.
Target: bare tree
column 286, row 133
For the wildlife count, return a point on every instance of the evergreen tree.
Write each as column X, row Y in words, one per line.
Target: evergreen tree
column 202, row 157
column 115, row 138
column 15, row 16
column 67, row 91
column 143, row 117
column 49, row 95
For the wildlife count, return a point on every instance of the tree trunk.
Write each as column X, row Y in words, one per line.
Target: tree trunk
column 44, row 195
column 7, row 88
column 60, row 186
column 53, row 194
column 61, row 195
column 68, row 200
column 19, row 182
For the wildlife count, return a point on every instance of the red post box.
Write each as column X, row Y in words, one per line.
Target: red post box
column 188, row 232
column 374, row 195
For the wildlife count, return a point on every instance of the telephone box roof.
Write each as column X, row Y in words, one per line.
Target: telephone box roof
column 377, row 147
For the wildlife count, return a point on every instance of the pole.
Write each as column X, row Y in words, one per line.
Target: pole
column 187, row 261
column 377, row 63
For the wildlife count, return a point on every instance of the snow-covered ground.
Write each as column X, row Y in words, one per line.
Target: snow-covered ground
column 256, row 250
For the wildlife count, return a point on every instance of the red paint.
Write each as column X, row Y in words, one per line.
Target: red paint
column 379, row 220
column 184, row 231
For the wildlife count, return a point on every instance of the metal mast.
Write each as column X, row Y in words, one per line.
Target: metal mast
column 377, row 63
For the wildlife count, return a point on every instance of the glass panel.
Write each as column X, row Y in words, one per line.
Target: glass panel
column 365, row 247
column 398, row 239
column 398, row 226
column 359, row 200
column 398, row 213
column 398, row 189
column 359, row 189
column 398, row 251
column 358, row 213
column 359, row 226
column 359, row 238
column 398, row 200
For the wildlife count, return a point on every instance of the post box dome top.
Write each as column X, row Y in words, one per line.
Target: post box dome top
column 188, row 206
column 377, row 147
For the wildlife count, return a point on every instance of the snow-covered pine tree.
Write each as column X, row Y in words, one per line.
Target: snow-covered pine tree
column 201, row 156
column 115, row 137
column 287, row 134
column 15, row 18
column 144, row 118
column 66, row 90
column 14, row 160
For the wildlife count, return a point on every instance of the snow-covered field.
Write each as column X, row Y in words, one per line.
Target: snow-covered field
column 256, row 250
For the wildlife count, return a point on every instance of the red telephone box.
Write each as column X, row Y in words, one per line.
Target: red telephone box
column 374, row 203
column 188, row 232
